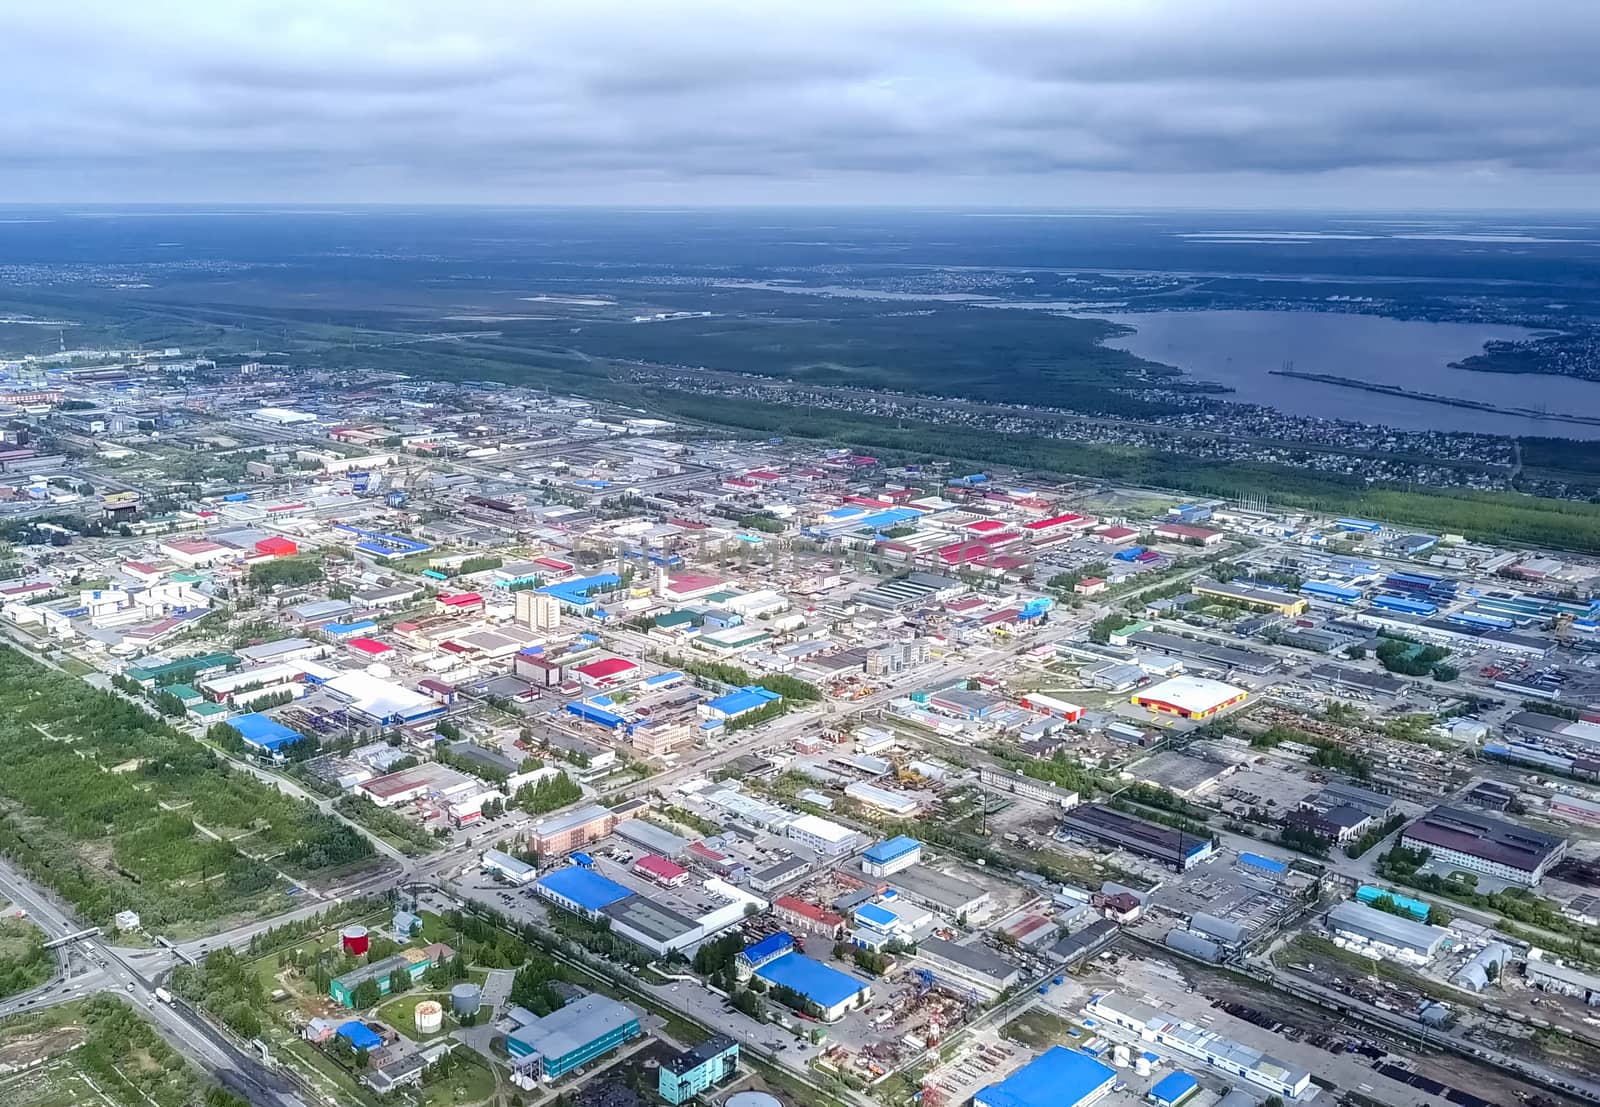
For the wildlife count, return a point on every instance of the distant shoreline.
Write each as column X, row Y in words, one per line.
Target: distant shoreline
column 1432, row 398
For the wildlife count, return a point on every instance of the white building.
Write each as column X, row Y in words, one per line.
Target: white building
column 1144, row 1023
column 823, row 836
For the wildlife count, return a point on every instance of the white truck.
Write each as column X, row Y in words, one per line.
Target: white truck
column 163, row 995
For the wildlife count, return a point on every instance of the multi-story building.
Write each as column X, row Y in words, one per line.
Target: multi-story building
column 538, row 610
column 574, row 830
column 1479, row 843
column 695, row 1070
column 1026, row 787
column 891, row 856
column 822, row 836
column 802, row 915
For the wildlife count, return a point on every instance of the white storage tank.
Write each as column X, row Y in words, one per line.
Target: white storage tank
column 1120, row 1055
column 430, row 1017
column 1141, row 1066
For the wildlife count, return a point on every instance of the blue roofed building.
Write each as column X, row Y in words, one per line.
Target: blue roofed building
column 741, row 702
column 1264, row 864
column 1058, row 1077
column 360, row 1035
column 579, row 890
column 829, row 992
column 884, row 858
column 549, row 1046
column 1174, row 1089
column 767, row 949
column 266, row 735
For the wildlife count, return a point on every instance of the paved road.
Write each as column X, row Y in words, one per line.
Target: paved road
column 125, row 973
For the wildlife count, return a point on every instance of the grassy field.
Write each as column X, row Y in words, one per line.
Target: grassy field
column 401, row 1014
column 1039, row 1029
column 471, row 1082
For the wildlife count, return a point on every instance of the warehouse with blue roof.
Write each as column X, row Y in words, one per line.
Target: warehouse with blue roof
column 574, row 594
column 830, row 991
column 1332, row 593
column 267, row 735
column 1174, row 1089
column 579, row 890
column 1058, row 1077
column 737, row 703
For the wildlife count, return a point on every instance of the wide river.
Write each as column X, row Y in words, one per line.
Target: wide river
column 1240, row 348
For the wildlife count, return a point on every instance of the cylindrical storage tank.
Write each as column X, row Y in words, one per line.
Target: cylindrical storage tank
column 1141, row 1067
column 354, row 939
column 465, row 999
column 430, row 1017
column 1119, row 1056
column 752, row 1099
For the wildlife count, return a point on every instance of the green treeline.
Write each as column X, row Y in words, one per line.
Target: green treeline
column 102, row 802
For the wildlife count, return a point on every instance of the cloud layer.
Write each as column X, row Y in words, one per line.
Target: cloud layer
column 1254, row 102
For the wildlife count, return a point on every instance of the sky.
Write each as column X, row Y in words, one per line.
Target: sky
column 975, row 103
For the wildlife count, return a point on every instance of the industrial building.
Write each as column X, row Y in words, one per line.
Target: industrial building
column 968, row 968
column 414, row 962
column 518, row 872
column 1563, row 980
column 947, row 895
column 1058, row 1077
column 1409, row 938
column 779, row 874
column 550, row 1046
column 1150, row 1024
column 580, row 890
column 891, row 856
column 1478, row 843
column 1026, row 787
column 698, row 1069
column 808, row 917
column 776, row 961
column 1259, row 599
column 1189, row 697
column 1160, row 843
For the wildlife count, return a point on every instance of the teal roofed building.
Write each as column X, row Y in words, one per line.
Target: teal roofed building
column 693, row 1071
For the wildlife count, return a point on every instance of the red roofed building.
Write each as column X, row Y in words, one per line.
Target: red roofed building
column 369, row 646
column 607, row 670
column 1090, row 586
column 554, row 563
column 458, row 603
column 1117, row 536
column 867, row 501
column 277, row 546
column 766, row 476
column 690, row 586
column 986, row 526
column 660, row 870
column 1056, row 527
column 739, row 484
column 806, row 916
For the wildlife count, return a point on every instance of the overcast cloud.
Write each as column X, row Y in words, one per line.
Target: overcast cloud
column 1255, row 103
